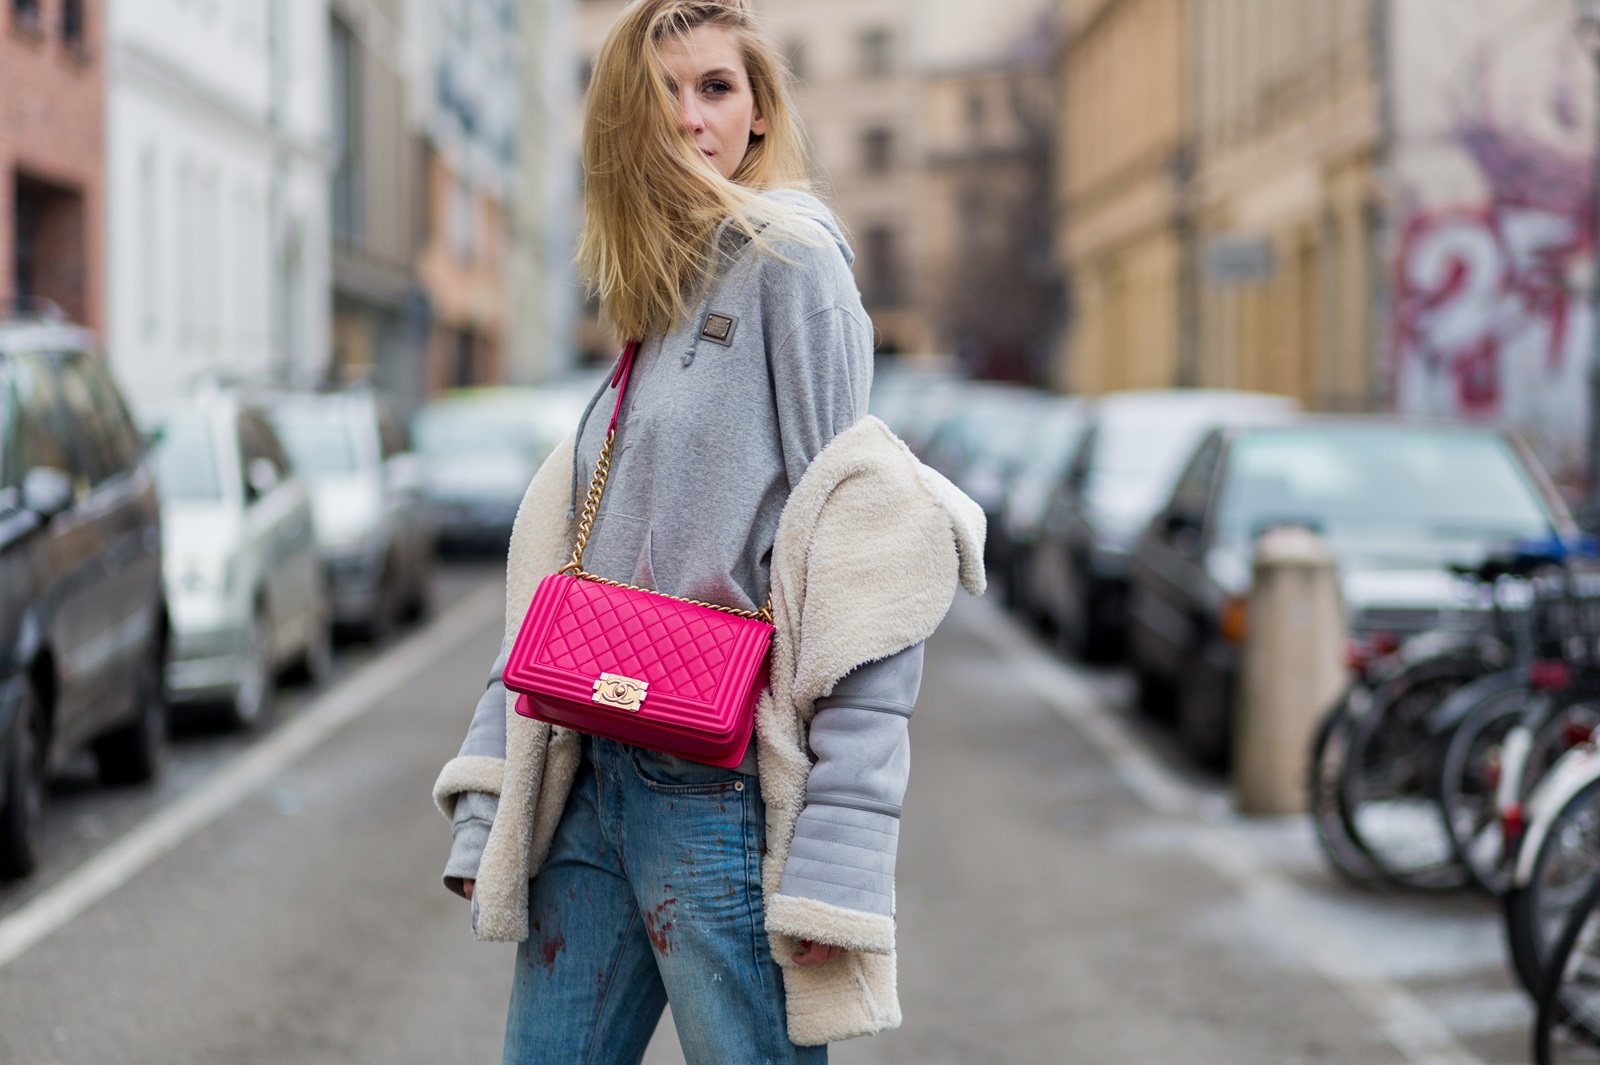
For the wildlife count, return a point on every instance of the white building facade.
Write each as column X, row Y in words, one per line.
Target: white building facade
column 218, row 190
column 542, row 214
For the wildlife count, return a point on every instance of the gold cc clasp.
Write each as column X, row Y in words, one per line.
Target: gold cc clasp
column 624, row 693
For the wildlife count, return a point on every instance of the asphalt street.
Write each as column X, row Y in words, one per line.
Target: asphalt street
column 1067, row 893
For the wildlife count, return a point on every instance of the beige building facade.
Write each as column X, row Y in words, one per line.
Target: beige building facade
column 1216, row 196
column 1287, row 133
column 884, row 89
column 984, row 222
column 857, row 90
column 1123, row 156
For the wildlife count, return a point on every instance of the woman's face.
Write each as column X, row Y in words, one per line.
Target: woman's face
column 706, row 71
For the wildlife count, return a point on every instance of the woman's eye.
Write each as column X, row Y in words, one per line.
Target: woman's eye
column 718, row 87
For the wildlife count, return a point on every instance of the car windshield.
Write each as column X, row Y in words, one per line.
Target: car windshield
column 1391, row 485
column 319, row 438
column 469, row 431
column 186, row 460
column 1137, row 459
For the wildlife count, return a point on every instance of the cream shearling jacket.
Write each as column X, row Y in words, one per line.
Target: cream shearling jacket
column 870, row 550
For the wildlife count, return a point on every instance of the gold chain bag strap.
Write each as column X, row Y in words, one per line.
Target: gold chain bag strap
column 627, row 663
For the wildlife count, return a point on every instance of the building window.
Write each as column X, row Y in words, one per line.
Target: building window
column 185, row 210
column 972, row 219
column 149, row 246
column 462, row 230
column 977, row 112
column 49, row 245
column 877, row 146
column 72, row 22
column 883, row 281
column 344, row 83
column 208, row 257
column 875, row 46
column 464, row 359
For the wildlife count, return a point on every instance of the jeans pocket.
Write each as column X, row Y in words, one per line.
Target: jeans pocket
column 668, row 773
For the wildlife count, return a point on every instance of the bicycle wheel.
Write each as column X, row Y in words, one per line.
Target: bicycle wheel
column 1469, row 775
column 1569, row 1002
column 1572, row 721
column 1569, row 852
column 1328, row 753
column 1388, row 792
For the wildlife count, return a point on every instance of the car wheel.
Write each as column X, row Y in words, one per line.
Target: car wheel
column 22, row 815
column 316, row 661
column 1155, row 695
column 252, row 699
column 133, row 753
column 1204, row 728
column 1098, row 643
column 386, row 604
column 420, row 603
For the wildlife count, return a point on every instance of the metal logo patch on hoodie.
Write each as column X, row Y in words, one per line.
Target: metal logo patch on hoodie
column 719, row 329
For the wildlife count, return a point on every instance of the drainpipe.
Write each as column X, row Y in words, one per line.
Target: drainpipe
column 1379, row 218
column 1185, row 164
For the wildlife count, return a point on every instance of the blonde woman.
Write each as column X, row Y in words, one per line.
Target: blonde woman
column 758, row 901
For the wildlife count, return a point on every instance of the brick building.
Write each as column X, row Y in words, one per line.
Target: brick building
column 52, row 155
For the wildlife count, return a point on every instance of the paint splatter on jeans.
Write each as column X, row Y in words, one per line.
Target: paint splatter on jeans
column 651, row 893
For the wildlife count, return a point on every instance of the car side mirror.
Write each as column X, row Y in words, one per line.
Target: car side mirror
column 47, row 491
column 1176, row 522
column 261, row 477
column 1183, row 528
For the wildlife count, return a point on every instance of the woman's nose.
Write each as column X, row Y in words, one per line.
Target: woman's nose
column 689, row 114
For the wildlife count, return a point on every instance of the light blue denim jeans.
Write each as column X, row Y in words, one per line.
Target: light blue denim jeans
column 651, row 894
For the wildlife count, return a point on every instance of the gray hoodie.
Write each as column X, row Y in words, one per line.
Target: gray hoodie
column 723, row 415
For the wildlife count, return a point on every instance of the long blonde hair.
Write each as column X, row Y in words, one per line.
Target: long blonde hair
column 653, row 202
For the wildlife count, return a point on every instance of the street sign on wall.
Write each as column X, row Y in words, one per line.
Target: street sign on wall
column 1238, row 259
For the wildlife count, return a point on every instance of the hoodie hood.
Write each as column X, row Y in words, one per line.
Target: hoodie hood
column 813, row 209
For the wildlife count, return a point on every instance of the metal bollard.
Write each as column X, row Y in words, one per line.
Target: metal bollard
column 1293, row 669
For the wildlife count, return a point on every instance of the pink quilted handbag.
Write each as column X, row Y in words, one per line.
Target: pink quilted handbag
column 634, row 665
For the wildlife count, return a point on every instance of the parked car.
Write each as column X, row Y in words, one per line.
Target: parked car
column 1130, row 455
column 913, row 402
column 244, row 577
column 979, row 443
column 1054, row 433
column 480, row 448
column 83, row 619
column 1398, row 502
column 373, row 523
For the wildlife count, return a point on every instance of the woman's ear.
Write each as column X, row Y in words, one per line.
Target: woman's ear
column 758, row 125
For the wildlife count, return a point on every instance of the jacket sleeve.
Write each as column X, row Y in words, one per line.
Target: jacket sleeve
column 469, row 831
column 821, row 373
column 838, row 880
column 468, row 788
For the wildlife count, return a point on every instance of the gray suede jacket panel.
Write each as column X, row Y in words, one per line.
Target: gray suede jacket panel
column 720, row 422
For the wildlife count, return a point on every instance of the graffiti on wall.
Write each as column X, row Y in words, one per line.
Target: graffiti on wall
column 1491, row 314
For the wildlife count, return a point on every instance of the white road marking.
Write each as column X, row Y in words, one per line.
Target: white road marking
column 171, row 825
column 1414, row 1029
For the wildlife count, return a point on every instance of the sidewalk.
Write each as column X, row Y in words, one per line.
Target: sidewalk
column 1066, row 896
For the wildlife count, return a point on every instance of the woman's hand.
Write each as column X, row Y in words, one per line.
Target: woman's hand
column 466, row 888
column 815, row 953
